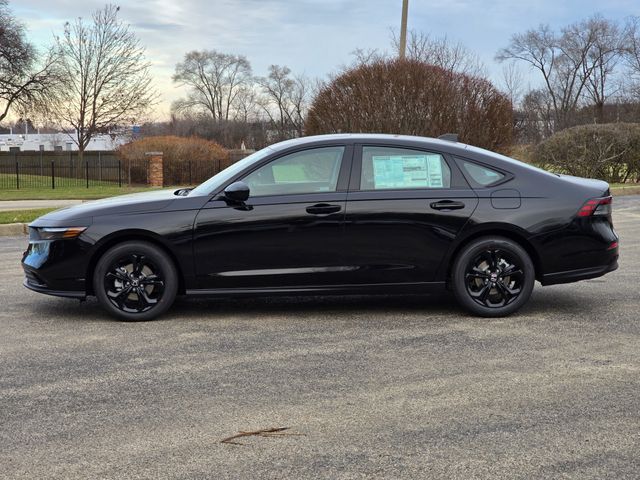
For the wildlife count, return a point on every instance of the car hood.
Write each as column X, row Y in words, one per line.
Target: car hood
column 83, row 213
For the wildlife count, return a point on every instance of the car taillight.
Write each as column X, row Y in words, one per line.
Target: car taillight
column 596, row 206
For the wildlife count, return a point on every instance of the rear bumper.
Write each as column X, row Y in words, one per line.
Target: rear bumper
column 580, row 274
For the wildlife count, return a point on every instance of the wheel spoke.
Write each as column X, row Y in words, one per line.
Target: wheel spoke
column 142, row 302
column 152, row 280
column 493, row 255
column 512, row 291
column 511, row 270
column 120, row 296
column 147, row 298
column 138, row 263
column 120, row 293
column 478, row 273
column 481, row 276
column 504, row 292
column 117, row 275
column 482, row 294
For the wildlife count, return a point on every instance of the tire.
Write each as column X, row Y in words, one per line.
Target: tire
column 135, row 281
column 493, row 277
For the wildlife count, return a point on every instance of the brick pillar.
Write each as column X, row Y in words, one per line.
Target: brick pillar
column 155, row 169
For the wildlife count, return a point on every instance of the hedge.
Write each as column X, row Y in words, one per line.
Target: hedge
column 608, row 151
column 186, row 159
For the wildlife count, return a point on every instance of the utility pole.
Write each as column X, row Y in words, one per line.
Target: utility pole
column 403, row 29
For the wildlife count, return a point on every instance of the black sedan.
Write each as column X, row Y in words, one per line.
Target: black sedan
column 335, row 214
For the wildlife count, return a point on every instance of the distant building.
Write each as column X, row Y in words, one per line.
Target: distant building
column 60, row 141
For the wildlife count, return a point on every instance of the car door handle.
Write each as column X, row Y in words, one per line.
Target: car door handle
column 447, row 205
column 323, row 209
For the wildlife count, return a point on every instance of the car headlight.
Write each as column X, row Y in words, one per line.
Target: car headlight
column 54, row 233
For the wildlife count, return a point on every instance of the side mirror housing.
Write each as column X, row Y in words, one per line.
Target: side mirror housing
column 237, row 192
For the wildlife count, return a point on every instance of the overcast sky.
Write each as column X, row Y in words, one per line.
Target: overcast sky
column 313, row 37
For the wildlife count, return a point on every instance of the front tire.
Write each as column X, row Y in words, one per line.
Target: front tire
column 493, row 277
column 135, row 281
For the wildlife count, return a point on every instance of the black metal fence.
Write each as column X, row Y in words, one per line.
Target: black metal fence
column 22, row 170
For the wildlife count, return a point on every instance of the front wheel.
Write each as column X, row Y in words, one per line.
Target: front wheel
column 493, row 277
column 135, row 281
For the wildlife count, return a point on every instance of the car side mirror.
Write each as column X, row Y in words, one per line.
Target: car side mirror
column 237, row 192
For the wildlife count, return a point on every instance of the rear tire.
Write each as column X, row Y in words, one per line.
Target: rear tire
column 135, row 281
column 493, row 277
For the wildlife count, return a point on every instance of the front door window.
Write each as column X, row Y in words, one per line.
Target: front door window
column 308, row 171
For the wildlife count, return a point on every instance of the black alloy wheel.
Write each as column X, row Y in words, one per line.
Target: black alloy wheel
column 134, row 284
column 493, row 276
column 135, row 281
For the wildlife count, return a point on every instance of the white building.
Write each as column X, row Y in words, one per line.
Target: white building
column 59, row 141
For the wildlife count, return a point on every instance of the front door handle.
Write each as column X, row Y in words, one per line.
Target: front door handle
column 323, row 209
column 447, row 205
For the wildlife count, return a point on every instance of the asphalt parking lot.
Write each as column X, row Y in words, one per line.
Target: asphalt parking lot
column 380, row 387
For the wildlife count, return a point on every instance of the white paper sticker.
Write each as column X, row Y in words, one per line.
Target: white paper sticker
column 407, row 171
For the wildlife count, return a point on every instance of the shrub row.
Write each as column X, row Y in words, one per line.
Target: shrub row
column 609, row 151
column 185, row 160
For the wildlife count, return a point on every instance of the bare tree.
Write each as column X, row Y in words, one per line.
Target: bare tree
column 597, row 45
column 285, row 101
column 363, row 56
column 106, row 76
column 536, row 116
column 246, row 106
column 214, row 80
column 442, row 52
column 606, row 51
column 632, row 53
column 24, row 83
column 512, row 80
column 576, row 62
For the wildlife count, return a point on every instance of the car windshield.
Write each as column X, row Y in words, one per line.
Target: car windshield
column 220, row 178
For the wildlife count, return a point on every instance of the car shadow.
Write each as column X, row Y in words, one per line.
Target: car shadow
column 543, row 301
column 313, row 305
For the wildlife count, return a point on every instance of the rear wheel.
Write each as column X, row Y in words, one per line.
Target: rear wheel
column 493, row 277
column 135, row 281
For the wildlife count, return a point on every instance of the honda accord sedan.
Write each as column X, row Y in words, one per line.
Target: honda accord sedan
column 334, row 214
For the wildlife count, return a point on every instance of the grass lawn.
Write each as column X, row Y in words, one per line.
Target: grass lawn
column 36, row 187
column 23, row 216
column 68, row 193
column 625, row 188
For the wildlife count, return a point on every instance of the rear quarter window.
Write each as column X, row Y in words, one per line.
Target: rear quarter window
column 480, row 175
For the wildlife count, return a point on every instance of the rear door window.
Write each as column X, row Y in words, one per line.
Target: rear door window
column 387, row 168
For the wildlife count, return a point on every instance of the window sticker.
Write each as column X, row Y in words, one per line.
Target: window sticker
column 407, row 171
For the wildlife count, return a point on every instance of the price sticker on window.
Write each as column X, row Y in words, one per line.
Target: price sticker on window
column 407, row 171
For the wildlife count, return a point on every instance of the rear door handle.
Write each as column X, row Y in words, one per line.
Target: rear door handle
column 447, row 205
column 323, row 209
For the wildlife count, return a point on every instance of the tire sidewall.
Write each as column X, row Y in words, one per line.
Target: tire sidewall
column 160, row 258
column 471, row 251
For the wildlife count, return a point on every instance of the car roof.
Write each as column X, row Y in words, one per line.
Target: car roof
column 367, row 137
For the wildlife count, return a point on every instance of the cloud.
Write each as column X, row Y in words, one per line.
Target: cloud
column 310, row 36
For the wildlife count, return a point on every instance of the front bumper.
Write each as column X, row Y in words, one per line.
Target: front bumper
column 56, row 267
column 55, row 293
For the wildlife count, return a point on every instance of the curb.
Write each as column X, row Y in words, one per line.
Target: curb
column 13, row 229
